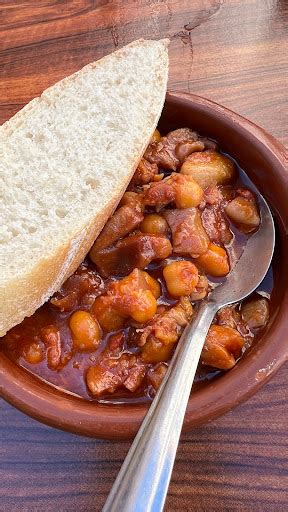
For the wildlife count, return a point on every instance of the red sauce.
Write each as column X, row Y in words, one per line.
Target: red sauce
column 59, row 362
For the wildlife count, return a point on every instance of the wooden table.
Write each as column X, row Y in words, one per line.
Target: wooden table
column 235, row 53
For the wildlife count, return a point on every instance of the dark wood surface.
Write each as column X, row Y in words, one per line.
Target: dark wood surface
column 233, row 52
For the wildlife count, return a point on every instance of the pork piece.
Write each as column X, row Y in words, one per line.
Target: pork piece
column 222, row 347
column 81, row 288
column 115, row 369
column 201, row 290
column 229, row 316
column 216, row 224
column 133, row 199
column 168, row 326
column 213, row 195
column 167, row 151
column 160, row 193
column 209, row 144
column 133, row 296
column 245, row 192
column 51, row 339
column 111, row 374
column 178, row 188
column 131, row 252
column 159, row 336
column 255, row 313
column 184, row 149
column 156, row 375
column 188, row 233
column 124, row 220
column 144, row 173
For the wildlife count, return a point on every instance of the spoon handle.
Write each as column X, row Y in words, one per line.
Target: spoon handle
column 144, row 477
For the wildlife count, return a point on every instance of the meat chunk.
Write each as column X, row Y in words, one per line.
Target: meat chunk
column 51, row 339
column 105, row 377
column 81, row 288
column 133, row 199
column 188, row 233
column 164, row 152
column 168, row 326
column 144, row 173
column 213, row 195
column 133, row 296
column 158, row 337
column 229, row 316
column 183, row 190
column 216, row 224
column 160, row 193
column 184, row 149
column 222, row 347
column 201, row 290
column 131, row 252
column 124, row 220
column 255, row 313
column 114, row 369
column 209, row 143
column 156, row 375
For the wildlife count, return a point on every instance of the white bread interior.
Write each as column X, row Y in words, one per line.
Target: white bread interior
column 65, row 161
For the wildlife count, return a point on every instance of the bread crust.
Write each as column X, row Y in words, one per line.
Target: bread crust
column 22, row 297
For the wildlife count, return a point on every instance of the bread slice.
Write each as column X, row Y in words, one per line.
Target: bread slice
column 65, row 161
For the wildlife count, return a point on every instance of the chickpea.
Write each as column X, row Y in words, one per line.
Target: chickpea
column 85, row 330
column 244, row 212
column 209, row 168
column 188, row 192
column 188, row 233
column 215, row 261
column 33, row 353
column 145, row 306
column 107, row 316
column 155, row 137
column 153, row 285
column 222, row 347
column 154, row 223
column 155, row 352
column 181, row 278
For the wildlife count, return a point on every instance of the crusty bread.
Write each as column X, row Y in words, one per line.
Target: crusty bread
column 65, row 160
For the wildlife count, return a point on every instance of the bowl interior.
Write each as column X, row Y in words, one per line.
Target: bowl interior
column 263, row 159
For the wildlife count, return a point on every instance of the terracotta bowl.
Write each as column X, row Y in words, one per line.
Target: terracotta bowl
column 264, row 159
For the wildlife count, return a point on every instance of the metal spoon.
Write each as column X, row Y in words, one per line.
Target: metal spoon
column 143, row 480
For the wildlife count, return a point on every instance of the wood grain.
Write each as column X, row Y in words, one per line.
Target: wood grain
column 235, row 53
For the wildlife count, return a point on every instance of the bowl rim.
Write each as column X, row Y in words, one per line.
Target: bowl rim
column 66, row 411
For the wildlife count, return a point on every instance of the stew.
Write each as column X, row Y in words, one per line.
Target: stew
column 112, row 328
